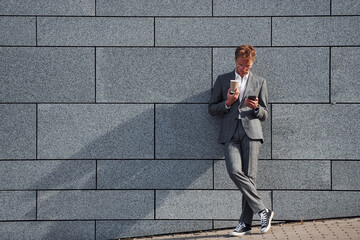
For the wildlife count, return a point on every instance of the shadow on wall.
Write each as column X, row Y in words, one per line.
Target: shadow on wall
column 182, row 131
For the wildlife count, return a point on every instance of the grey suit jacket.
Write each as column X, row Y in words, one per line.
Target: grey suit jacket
column 250, row 118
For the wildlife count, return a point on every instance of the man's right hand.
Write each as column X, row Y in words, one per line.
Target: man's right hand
column 231, row 98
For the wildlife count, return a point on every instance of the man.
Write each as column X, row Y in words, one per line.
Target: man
column 241, row 133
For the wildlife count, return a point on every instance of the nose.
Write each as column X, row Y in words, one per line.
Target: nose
column 244, row 67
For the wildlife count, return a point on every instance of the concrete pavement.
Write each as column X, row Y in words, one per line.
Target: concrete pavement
column 343, row 229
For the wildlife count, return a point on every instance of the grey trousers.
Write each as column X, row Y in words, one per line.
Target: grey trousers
column 241, row 156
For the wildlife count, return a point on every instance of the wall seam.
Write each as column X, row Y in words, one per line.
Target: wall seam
column 174, row 189
column 171, row 159
column 36, row 31
column 165, row 219
column 95, row 8
column 212, row 67
column 37, row 132
column 154, row 132
column 96, row 174
column 271, row 31
column 190, row 16
column 213, row 174
column 142, row 219
column 330, row 74
column 36, row 206
column 95, row 230
column 170, row 103
column 175, row 46
column 154, row 32
column 331, row 175
column 95, row 73
column 212, row 8
column 271, row 130
column 147, row 46
column 154, row 204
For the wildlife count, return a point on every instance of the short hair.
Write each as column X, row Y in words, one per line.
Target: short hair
column 245, row 51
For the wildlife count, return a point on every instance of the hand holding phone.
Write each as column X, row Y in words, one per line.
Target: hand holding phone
column 249, row 102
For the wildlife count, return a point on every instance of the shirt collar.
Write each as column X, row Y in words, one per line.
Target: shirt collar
column 238, row 76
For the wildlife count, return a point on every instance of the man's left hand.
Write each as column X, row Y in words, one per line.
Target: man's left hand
column 252, row 103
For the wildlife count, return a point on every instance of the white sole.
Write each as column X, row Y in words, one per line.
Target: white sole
column 268, row 227
column 235, row 234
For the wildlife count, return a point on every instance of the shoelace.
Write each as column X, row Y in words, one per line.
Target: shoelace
column 240, row 226
column 263, row 218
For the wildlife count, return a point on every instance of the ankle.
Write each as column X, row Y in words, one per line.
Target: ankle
column 264, row 210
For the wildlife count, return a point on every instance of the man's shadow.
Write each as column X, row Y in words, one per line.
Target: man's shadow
column 181, row 136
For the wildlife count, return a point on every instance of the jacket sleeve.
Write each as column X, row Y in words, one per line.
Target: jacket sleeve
column 262, row 112
column 217, row 102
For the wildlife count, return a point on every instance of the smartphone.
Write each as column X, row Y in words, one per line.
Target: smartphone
column 252, row 98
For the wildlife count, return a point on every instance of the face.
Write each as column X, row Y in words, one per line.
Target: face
column 243, row 65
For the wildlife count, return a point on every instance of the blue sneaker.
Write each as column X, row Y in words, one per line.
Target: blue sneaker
column 266, row 216
column 241, row 229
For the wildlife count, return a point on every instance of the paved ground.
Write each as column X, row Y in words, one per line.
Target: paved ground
column 342, row 229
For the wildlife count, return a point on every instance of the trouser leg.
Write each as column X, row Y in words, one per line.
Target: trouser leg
column 241, row 156
column 250, row 153
column 247, row 213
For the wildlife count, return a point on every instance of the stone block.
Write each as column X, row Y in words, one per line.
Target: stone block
column 345, row 175
column 17, row 131
column 133, row 228
column 294, row 175
column 201, row 204
column 280, row 67
column 285, row 79
column 315, row 131
column 196, row 135
column 88, row 31
column 44, row 7
column 347, row 7
column 186, row 131
column 17, row 31
column 69, row 174
column 271, row 8
column 212, row 31
column 120, row 79
column 223, row 61
column 316, row 31
column 44, row 230
column 101, row 131
column 91, row 204
column 155, row 174
column 47, row 75
column 281, row 174
column 17, row 205
column 345, row 74
column 306, row 205
column 221, row 177
column 153, row 8
column 218, row 224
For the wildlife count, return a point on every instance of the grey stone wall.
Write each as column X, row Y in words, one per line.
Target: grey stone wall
column 103, row 113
